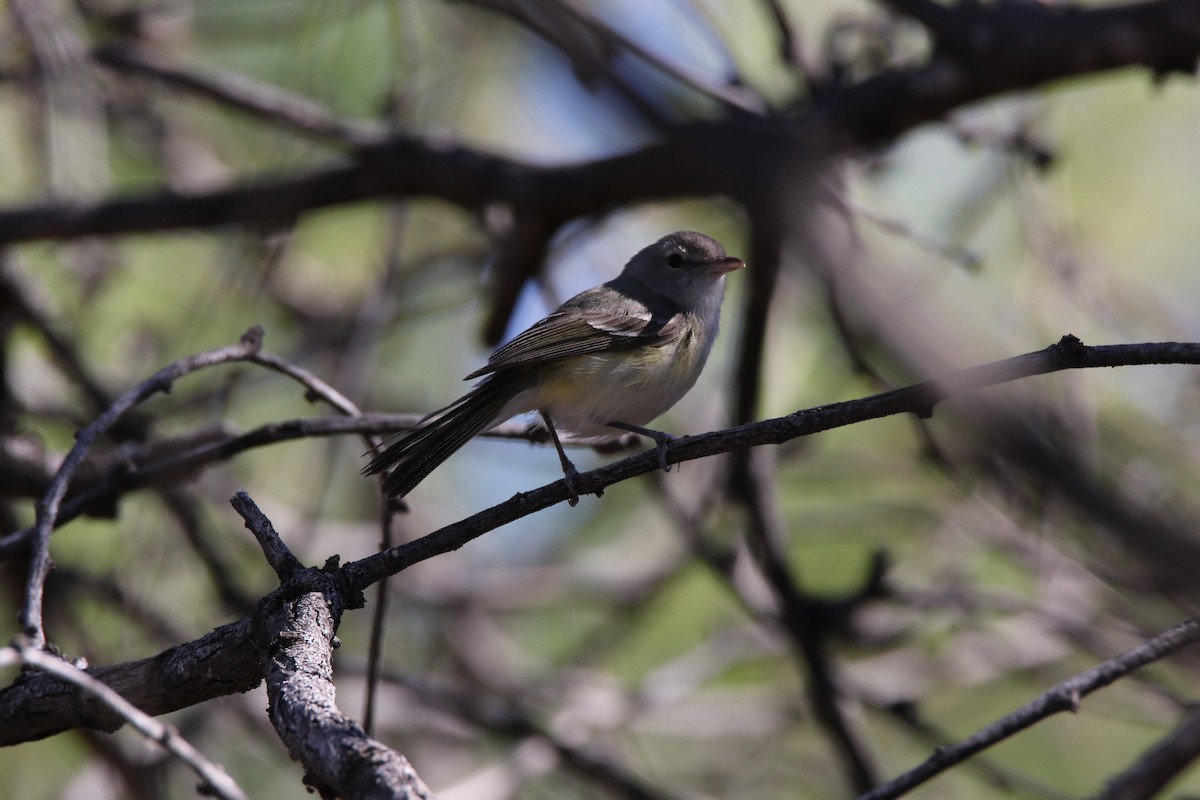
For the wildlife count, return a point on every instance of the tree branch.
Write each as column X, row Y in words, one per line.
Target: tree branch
column 226, row 660
column 1066, row 696
column 339, row 758
column 177, row 459
column 1028, row 44
column 47, row 507
column 278, row 555
column 1159, row 765
column 215, row 780
column 269, row 103
column 919, row 399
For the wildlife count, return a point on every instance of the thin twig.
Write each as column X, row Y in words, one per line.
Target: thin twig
column 585, row 61
column 317, row 388
column 387, row 524
column 1066, row 696
column 179, row 465
column 920, row 399
column 375, row 314
column 48, row 506
column 62, row 351
column 736, row 97
column 215, row 780
column 277, row 553
column 791, row 52
column 960, row 255
column 270, row 103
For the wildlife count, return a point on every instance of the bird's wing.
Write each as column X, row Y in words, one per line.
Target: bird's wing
column 571, row 332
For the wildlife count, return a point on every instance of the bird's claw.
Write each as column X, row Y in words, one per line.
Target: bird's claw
column 569, row 476
column 661, row 440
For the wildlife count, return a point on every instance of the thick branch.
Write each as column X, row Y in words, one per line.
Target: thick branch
column 1159, row 765
column 339, row 757
column 1015, row 46
column 220, row 663
column 216, row 781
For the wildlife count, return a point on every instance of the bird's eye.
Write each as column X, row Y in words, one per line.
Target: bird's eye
column 675, row 261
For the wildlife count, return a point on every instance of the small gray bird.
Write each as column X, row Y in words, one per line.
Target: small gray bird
column 614, row 356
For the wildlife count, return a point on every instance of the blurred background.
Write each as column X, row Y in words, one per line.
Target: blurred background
column 947, row 570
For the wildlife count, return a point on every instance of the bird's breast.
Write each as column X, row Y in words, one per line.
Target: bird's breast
column 583, row 394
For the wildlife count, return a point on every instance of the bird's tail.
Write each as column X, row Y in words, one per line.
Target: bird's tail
column 420, row 451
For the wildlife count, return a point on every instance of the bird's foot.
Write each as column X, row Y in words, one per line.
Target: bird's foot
column 661, row 440
column 569, row 476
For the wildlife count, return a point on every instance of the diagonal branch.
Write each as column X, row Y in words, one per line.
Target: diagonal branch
column 919, row 399
column 1159, row 765
column 185, row 455
column 1066, row 696
column 800, row 617
column 340, row 759
column 270, row 103
column 215, row 780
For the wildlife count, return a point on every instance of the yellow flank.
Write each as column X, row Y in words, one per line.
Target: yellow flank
column 584, row 393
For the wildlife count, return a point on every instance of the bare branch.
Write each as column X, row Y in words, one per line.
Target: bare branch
column 338, row 756
column 47, row 507
column 1032, row 44
column 735, row 97
column 919, row 399
column 63, row 351
column 1159, row 765
column 215, row 780
column 145, row 682
column 754, row 487
column 317, row 388
column 278, row 555
column 1066, row 696
column 269, row 103
column 790, row 51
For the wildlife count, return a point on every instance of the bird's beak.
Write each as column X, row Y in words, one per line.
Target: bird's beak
column 726, row 265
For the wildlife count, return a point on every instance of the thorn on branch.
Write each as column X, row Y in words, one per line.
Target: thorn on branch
column 1069, row 348
column 253, row 337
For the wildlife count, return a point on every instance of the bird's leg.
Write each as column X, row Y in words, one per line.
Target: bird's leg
column 569, row 471
column 660, row 440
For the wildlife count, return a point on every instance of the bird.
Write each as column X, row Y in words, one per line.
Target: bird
column 613, row 357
